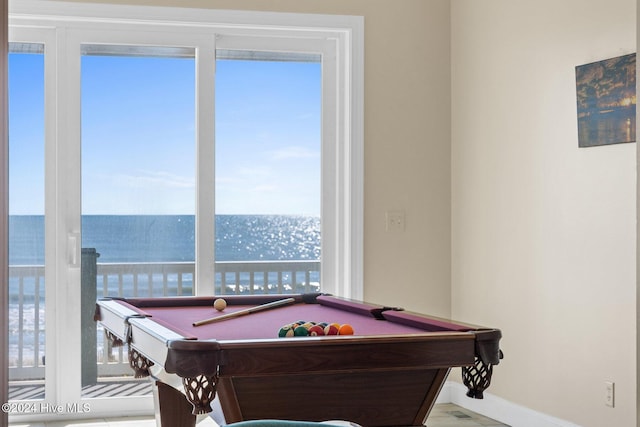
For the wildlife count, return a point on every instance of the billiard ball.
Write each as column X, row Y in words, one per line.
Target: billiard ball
column 286, row 331
column 301, row 331
column 331, row 330
column 316, row 330
column 220, row 304
column 345, row 329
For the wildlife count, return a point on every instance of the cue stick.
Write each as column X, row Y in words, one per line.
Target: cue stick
column 255, row 309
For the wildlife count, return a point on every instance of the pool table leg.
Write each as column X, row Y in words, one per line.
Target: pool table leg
column 432, row 396
column 173, row 409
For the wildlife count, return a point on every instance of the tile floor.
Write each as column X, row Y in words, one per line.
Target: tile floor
column 443, row 415
column 450, row 415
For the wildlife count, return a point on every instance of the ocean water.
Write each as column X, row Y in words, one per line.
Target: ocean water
column 145, row 238
column 167, row 238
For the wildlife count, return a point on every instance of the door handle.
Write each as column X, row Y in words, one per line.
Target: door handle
column 73, row 250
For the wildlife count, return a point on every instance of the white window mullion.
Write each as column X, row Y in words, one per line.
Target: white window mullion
column 51, row 131
column 332, row 234
column 204, row 279
column 343, row 166
column 67, row 356
column 352, row 97
column 350, row 117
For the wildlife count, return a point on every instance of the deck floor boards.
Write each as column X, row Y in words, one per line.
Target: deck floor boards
column 109, row 388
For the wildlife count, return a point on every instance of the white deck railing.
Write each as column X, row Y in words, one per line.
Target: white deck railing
column 26, row 322
column 27, row 300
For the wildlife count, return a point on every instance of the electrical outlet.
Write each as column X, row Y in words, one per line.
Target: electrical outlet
column 395, row 221
column 609, row 393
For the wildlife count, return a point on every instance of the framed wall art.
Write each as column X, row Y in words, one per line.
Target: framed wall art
column 606, row 100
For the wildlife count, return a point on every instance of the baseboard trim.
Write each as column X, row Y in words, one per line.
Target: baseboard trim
column 498, row 409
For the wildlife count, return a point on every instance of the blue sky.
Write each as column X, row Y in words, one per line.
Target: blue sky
column 26, row 134
column 138, row 133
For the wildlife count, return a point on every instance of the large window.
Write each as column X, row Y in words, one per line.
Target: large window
column 184, row 156
column 267, row 185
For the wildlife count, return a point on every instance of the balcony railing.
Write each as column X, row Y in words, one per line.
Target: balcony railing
column 27, row 300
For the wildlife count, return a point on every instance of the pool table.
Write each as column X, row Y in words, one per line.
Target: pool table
column 387, row 373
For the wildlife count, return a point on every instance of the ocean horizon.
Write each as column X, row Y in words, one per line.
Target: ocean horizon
column 171, row 238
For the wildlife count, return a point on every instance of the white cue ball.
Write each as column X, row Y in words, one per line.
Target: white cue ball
column 219, row 304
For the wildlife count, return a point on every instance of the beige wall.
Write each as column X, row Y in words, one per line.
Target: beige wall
column 543, row 231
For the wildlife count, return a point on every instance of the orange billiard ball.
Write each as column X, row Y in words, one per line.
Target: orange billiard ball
column 345, row 329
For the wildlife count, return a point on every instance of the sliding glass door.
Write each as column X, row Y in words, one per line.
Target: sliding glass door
column 162, row 158
column 138, row 189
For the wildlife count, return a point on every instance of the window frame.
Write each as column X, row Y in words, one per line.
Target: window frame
column 62, row 27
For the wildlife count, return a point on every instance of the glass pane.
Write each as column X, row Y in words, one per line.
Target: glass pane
column 268, row 144
column 26, row 222
column 138, row 184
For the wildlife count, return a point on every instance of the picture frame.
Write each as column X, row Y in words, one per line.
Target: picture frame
column 606, row 101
